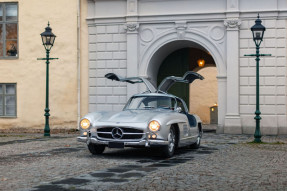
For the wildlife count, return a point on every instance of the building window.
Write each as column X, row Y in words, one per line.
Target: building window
column 7, row 100
column 8, row 30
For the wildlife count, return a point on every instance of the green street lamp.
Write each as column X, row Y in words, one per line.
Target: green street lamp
column 258, row 33
column 48, row 39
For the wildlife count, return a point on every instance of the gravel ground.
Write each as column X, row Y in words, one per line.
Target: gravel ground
column 224, row 162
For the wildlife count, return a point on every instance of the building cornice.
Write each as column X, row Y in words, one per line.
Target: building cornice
column 197, row 17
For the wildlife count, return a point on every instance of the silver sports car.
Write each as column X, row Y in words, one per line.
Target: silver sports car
column 150, row 119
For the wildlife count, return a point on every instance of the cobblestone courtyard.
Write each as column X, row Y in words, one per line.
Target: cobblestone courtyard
column 224, row 162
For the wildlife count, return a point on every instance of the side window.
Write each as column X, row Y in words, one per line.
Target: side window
column 180, row 104
column 8, row 30
column 7, row 100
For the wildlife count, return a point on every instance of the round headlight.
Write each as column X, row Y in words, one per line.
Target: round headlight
column 154, row 126
column 85, row 124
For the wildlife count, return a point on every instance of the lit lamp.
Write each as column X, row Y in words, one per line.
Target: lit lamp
column 200, row 63
column 48, row 39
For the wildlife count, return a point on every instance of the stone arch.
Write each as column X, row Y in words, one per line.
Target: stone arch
column 153, row 55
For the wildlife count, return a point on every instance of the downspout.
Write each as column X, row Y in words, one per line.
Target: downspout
column 79, row 62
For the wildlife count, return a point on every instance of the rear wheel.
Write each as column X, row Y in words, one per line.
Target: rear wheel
column 169, row 149
column 96, row 149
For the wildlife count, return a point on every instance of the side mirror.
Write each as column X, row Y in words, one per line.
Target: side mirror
column 178, row 109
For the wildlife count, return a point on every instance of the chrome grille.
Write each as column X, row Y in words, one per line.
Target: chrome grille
column 122, row 133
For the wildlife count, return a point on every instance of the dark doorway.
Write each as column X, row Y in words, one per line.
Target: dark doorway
column 176, row 64
column 179, row 62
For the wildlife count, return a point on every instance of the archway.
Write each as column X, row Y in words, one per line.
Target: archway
column 153, row 55
column 200, row 96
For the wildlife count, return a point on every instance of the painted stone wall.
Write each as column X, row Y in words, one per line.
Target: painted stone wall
column 272, row 77
column 107, row 53
column 29, row 73
column 134, row 38
column 203, row 94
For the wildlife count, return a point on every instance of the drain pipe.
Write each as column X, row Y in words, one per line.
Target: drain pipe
column 79, row 62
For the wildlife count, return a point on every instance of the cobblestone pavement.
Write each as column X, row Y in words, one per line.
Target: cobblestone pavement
column 223, row 162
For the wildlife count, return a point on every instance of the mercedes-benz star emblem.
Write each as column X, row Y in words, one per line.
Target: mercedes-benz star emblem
column 117, row 133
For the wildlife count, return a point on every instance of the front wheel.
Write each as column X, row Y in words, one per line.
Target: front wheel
column 96, row 149
column 169, row 149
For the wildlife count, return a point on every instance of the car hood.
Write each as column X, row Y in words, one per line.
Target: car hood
column 132, row 116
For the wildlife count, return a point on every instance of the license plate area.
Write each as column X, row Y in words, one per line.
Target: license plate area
column 116, row 145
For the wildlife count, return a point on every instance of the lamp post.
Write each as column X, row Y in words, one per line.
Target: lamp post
column 258, row 33
column 48, row 39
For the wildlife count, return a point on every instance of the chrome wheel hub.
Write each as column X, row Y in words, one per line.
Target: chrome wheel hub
column 171, row 141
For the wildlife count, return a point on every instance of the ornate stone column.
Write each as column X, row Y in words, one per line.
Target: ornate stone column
column 232, row 119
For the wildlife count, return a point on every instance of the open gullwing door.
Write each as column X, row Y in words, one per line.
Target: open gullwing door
column 188, row 77
column 132, row 80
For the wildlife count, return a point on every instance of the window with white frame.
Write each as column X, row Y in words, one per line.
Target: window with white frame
column 7, row 100
column 8, row 30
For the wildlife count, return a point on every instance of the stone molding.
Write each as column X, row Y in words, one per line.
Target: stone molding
column 180, row 29
column 131, row 27
column 232, row 23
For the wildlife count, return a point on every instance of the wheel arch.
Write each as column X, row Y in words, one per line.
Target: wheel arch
column 177, row 133
column 199, row 126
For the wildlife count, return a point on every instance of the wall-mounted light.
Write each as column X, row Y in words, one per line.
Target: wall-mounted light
column 200, row 63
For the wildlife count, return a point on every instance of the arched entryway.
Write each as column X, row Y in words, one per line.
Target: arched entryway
column 153, row 56
column 200, row 96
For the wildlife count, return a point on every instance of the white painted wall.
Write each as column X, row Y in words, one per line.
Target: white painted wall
column 131, row 37
column 272, row 78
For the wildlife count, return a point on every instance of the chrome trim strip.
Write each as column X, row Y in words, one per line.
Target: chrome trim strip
column 143, row 142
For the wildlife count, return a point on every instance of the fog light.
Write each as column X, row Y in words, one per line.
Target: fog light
column 149, row 136
column 153, row 136
column 85, row 133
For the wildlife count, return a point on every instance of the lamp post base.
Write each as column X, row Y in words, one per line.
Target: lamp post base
column 47, row 131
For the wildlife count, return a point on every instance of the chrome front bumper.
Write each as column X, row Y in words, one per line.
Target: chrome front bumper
column 144, row 142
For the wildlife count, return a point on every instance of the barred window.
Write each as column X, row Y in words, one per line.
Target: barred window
column 7, row 100
column 8, row 30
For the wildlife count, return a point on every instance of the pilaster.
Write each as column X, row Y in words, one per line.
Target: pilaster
column 131, row 27
column 221, row 82
column 232, row 123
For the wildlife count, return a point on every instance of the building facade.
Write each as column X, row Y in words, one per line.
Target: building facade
column 148, row 38
column 22, row 76
column 135, row 38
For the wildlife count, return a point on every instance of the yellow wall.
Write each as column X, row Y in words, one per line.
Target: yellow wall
column 29, row 74
column 203, row 94
column 84, row 62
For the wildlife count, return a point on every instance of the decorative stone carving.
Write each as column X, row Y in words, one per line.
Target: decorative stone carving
column 132, row 7
column 232, row 4
column 131, row 27
column 216, row 33
column 146, row 35
column 180, row 28
column 232, row 23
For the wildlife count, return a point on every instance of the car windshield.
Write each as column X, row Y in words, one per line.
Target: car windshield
column 151, row 102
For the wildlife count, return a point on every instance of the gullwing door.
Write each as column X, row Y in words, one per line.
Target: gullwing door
column 188, row 77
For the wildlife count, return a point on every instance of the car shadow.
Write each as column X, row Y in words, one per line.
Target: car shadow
column 148, row 154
